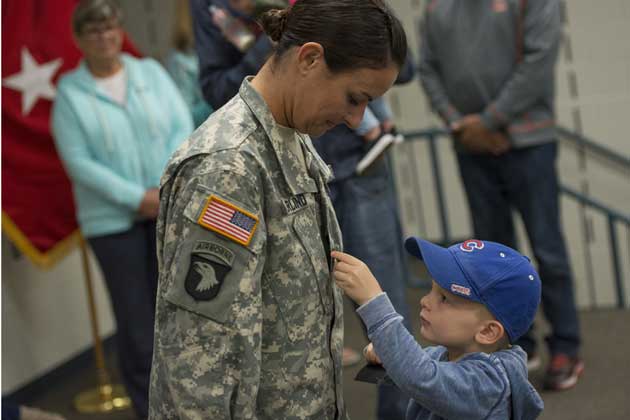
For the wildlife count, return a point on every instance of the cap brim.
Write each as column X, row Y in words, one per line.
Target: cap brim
column 441, row 264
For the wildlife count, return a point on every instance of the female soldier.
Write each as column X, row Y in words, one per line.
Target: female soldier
column 248, row 321
column 114, row 133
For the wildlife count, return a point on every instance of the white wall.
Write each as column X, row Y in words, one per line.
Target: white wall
column 45, row 318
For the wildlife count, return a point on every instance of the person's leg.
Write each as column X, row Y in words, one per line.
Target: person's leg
column 123, row 259
column 535, row 194
column 487, row 192
column 369, row 223
column 487, row 199
column 10, row 410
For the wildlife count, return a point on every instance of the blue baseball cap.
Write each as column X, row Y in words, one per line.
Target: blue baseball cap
column 486, row 272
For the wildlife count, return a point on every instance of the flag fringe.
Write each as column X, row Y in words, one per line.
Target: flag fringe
column 43, row 260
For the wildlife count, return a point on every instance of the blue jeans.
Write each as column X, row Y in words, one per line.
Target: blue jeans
column 129, row 264
column 526, row 179
column 367, row 214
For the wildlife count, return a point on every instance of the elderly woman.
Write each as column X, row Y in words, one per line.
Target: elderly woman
column 116, row 120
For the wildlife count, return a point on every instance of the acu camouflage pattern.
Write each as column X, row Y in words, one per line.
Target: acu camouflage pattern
column 269, row 345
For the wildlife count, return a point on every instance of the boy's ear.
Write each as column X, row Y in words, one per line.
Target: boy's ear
column 491, row 333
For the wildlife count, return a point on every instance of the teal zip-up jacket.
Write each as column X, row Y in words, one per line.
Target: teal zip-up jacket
column 113, row 153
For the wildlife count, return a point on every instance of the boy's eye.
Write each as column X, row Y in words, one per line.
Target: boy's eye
column 443, row 298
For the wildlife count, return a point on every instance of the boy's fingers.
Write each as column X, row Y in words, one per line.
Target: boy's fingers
column 342, row 267
column 342, row 256
column 341, row 277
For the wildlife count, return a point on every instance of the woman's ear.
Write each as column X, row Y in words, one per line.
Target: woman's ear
column 491, row 333
column 310, row 56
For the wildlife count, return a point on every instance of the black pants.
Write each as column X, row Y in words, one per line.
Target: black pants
column 526, row 179
column 129, row 264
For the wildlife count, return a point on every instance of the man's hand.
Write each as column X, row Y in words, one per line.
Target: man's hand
column 150, row 204
column 476, row 138
column 355, row 278
column 370, row 355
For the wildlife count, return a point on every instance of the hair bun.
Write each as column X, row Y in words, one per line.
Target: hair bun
column 274, row 23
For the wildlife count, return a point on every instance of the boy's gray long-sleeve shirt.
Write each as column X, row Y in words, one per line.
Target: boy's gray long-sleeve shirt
column 478, row 386
column 474, row 59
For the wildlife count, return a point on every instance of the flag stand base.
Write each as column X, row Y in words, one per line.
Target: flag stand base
column 106, row 396
column 102, row 399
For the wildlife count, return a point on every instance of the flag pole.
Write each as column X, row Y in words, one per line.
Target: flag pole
column 106, row 396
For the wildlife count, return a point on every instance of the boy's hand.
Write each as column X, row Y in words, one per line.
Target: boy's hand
column 355, row 278
column 370, row 355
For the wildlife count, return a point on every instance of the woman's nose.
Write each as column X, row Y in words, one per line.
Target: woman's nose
column 354, row 117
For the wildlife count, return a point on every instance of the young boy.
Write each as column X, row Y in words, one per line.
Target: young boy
column 484, row 297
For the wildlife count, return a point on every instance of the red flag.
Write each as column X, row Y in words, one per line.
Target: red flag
column 38, row 212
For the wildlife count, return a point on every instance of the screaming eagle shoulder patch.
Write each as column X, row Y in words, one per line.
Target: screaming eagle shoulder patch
column 209, row 264
column 228, row 219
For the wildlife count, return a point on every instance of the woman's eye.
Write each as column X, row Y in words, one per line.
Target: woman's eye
column 352, row 101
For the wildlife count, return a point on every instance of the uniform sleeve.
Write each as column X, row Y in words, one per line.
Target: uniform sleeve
column 437, row 386
column 222, row 67
column 429, row 71
column 82, row 168
column 209, row 314
column 533, row 74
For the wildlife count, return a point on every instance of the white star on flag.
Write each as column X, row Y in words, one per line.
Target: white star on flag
column 34, row 80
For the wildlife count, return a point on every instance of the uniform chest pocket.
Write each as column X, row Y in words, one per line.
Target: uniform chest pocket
column 295, row 265
column 307, row 229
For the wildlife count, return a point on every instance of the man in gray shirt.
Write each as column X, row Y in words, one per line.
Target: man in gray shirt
column 488, row 69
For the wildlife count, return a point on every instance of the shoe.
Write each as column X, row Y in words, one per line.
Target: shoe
column 563, row 372
column 533, row 361
column 377, row 149
column 350, row 357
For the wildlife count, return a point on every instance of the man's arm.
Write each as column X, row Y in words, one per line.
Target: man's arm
column 222, row 67
column 542, row 30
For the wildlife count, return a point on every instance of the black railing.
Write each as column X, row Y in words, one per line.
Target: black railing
column 614, row 217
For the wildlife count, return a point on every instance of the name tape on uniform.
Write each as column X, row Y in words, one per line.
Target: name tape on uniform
column 229, row 220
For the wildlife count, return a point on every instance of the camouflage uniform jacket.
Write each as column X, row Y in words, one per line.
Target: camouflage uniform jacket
column 248, row 320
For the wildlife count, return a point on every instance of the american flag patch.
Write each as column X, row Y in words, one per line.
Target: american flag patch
column 228, row 220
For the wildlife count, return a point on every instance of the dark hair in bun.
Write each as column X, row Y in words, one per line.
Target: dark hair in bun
column 354, row 33
column 274, row 23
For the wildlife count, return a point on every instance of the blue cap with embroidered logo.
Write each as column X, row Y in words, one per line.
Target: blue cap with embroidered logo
column 486, row 272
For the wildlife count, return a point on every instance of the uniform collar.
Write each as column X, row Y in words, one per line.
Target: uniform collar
column 295, row 175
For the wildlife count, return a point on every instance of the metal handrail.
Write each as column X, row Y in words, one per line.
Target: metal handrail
column 613, row 216
column 597, row 148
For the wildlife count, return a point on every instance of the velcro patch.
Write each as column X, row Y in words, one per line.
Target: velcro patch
column 294, row 203
column 229, row 220
column 209, row 264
